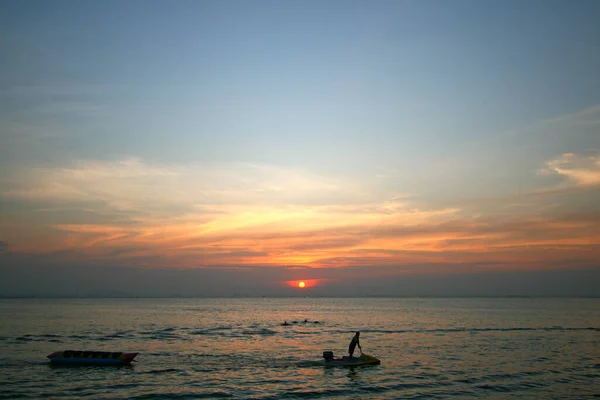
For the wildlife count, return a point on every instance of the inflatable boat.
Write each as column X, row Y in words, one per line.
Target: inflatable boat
column 346, row 361
column 91, row 357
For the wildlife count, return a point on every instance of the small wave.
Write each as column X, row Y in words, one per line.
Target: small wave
column 163, row 334
column 211, row 331
column 231, row 332
column 120, row 335
column 81, row 337
column 185, row 395
column 155, row 332
column 117, row 386
column 163, row 371
column 531, row 384
column 25, row 338
column 407, row 386
column 495, row 387
column 167, row 337
column 306, row 364
column 263, row 331
column 590, row 376
column 200, row 332
column 39, row 338
column 467, row 330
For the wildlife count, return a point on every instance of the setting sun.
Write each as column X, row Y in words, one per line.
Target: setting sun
column 303, row 284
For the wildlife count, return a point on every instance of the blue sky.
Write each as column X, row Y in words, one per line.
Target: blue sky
column 207, row 119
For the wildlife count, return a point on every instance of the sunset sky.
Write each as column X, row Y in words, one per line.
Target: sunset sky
column 237, row 147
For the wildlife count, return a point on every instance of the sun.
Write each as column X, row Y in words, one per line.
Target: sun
column 303, row 284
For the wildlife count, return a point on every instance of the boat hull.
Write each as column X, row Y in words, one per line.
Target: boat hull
column 364, row 359
column 91, row 357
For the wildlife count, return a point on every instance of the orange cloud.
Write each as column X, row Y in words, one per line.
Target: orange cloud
column 192, row 217
column 390, row 243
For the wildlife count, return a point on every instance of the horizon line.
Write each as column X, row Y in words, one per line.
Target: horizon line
column 312, row 297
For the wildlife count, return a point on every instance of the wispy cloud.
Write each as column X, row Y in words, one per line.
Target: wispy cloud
column 437, row 238
column 579, row 170
column 221, row 211
column 132, row 184
column 248, row 214
column 52, row 111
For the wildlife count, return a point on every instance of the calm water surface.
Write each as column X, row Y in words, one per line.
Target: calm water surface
column 237, row 348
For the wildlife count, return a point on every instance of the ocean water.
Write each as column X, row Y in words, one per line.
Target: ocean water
column 237, row 348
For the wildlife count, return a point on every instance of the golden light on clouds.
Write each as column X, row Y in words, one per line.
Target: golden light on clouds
column 193, row 216
column 577, row 169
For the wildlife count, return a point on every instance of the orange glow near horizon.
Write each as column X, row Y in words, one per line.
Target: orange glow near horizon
column 439, row 242
column 252, row 229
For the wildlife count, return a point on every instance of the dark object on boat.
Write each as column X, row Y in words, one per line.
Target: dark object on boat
column 92, row 357
column 346, row 361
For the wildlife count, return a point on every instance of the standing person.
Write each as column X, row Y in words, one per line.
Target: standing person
column 355, row 342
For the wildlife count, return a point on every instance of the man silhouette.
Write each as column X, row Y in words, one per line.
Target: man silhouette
column 355, row 342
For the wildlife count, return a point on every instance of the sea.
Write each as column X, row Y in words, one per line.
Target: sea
column 237, row 348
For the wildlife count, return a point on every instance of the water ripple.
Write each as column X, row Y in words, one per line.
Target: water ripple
column 478, row 349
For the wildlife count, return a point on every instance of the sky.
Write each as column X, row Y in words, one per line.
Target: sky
column 218, row 148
